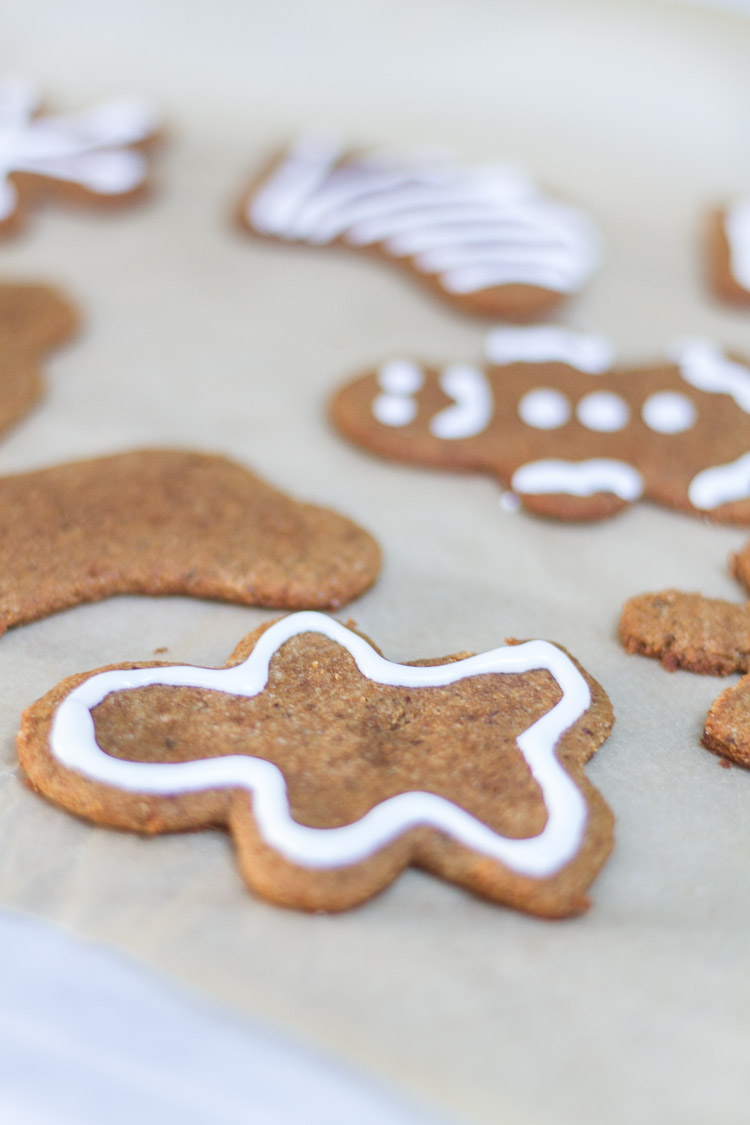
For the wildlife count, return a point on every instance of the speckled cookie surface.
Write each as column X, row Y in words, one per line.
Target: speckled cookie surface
column 170, row 522
column 484, row 238
column 335, row 768
column 570, row 435
column 34, row 319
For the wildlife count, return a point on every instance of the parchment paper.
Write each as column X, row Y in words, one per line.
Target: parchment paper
column 198, row 336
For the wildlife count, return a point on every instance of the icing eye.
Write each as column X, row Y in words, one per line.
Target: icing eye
column 669, row 412
column 544, row 408
column 603, row 411
column 400, row 380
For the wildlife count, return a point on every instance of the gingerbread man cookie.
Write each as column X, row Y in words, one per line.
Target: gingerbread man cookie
column 334, row 768
column 572, row 437
column 728, row 252
column 483, row 237
column 704, row 635
column 33, row 320
column 93, row 156
column 170, row 522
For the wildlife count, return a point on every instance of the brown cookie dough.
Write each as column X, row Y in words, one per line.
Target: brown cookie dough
column 573, row 437
column 96, row 157
column 727, row 252
column 34, row 319
column 170, row 522
column 334, row 768
column 484, row 238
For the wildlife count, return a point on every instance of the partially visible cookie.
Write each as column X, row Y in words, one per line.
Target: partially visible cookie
column 572, row 436
column 94, row 157
column 728, row 252
column 170, row 522
column 334, row 768
column 484, row 237
column 33, row 320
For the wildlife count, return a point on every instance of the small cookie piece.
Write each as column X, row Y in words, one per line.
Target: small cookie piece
column 95, row 157
column 483, row 237
column 335, row 768
column 33, row 320
column 572, row 437
column 170, row 522
column 703, row 635
column 728, row 252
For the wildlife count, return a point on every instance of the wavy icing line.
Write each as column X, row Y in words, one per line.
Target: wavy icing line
column 474, row 228
column 86, row 149
column 73, row 743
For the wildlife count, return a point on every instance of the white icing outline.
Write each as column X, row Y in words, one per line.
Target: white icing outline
column 704, row 366
column 72, row 742
column 547, row 343
column 474, row 228
column 472, row 409
column 578, row 478
column 721, row 484
column 89, row 149
column 737, row 230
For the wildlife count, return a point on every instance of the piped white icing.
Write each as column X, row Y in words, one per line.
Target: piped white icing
column 704, row 366
column 400, row 380
column 73, row 743
column 472, row 411
column 578, row 478
column 546, row 343
column 721, row 484
column 544, row 408
column 737, row 228
column 669, row 412
column 474, row 228
column 603, row 411
column 89, row 149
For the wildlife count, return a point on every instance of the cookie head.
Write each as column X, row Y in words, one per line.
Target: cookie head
column 570, row 435
column 334, row 768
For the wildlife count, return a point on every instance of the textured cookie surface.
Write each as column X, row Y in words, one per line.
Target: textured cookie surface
column 483, row 237
column 572, row 437
column 704, row 635
column 170, row 522
column 728, row 252
column 94, row 157
column 335, row 768
column 33, row 320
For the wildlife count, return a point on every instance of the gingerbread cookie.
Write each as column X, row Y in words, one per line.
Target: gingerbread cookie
column 728, row 252
column 170, row 522
column 95, row 156
column 571, row 436
column 335, row 768
column 485, row 237
column 704, row 635
column 33, row 320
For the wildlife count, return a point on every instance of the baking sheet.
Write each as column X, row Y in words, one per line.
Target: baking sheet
column 198, row 336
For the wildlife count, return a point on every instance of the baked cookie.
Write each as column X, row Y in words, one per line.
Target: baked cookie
column 728, row 252
column 485, row 237
column 170, row 522
column 95, row 157
column 571, row 436
column 335, row 768
column 704, row 635
column 34, row 319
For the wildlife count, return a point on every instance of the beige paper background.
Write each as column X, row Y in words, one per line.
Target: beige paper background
column 198, row 336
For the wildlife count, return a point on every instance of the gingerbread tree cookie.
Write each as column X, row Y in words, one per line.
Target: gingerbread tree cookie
column 334, row 768
column 570, row 435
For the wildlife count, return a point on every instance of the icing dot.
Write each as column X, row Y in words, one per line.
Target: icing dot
column 669, row 412
column 400, row 377
column 394, row 410
column 544, row 408
column 603, row 411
